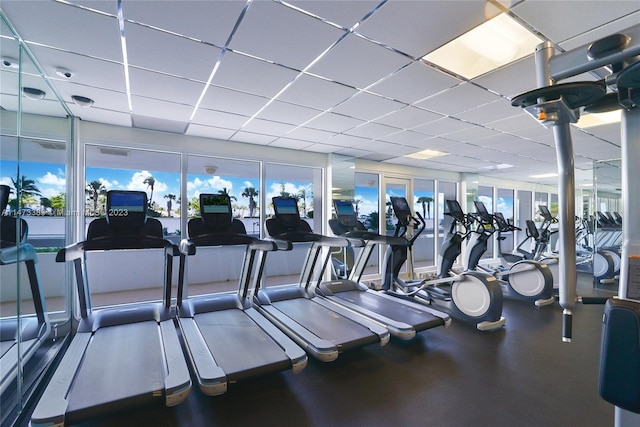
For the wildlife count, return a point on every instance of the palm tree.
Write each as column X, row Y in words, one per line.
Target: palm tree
column 151, row 182
column 169, row 198
column 426, row 206
column 226, row 192
column 94, row 189
column 250, row 192
column 26, row 188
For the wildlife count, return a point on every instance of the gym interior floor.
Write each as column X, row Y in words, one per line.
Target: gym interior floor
column 521, row 375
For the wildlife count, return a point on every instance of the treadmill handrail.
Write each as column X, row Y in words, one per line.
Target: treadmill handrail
column 311, row 237
column 77, row 250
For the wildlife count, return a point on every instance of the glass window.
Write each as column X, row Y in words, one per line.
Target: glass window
column 540, row 199
column 217, row 269
column 485, row 195
column 305, row 185
column 154, row 172
column 424, row 197
column 524, row 213
column 446, row 191
column 367, row 204
column 505, row 205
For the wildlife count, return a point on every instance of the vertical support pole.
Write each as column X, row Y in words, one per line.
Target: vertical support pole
column 630, row 153
column 566, row 210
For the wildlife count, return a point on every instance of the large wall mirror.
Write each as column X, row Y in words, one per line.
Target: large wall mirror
column 606, row 217
column 35, row 307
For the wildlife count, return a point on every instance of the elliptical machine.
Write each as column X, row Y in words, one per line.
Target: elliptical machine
column 526, row 280
column 471, row 296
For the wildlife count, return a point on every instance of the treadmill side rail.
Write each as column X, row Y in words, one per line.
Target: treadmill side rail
column 211, row 378
column 52, row 406
column 296, row 354
column 177, row 383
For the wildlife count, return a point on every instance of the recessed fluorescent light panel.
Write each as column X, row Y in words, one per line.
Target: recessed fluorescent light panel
column 426, row 154
column 489, row 46
column 544, row 175
column 599, row 119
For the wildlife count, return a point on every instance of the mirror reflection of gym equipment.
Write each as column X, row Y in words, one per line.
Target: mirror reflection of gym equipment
column 556, row 106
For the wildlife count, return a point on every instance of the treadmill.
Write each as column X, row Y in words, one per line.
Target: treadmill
column 228, row 340
column 402, row 318
column 123, row 356
column 30, row 331
column 321, row 327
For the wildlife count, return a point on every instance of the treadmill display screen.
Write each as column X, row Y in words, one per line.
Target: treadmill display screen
column 344, row 208
column 285, row 206
column 127, row 202
column 214, row 203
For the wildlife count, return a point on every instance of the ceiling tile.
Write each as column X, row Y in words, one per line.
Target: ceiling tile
column 584, row 15
column 491, row 112
column 209, row 21
column 424, row 25
column 252, row 138
column 232, row 101
column 372, row 130
column 41, row 22
column 334, row 122
column 458, row 99
column 316, row 92
column 188, row 59
column 358, row 62
column 161, row 86
column 343, row 13
column 500, row 81
column 252, row 75
column 409, row 118
column 288, row 113
column 209, row 131
column 295, row 41
column 414, row 82
column 367, row 107
column 308, row 134
column 267, row 127
column 219, row 119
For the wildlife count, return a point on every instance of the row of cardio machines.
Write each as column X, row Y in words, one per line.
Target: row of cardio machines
column 130, row 355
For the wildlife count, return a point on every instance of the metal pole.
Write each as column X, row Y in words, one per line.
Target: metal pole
column 566, row 213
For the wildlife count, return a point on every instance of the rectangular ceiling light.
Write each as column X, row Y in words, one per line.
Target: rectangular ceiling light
column 598, row 119
column 426, row 154
column 544, row 175
column 496, row 42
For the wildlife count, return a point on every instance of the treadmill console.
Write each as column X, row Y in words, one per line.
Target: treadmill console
column 286, row 210
column 401, row 209
column 455, row 211
column 346, row 213
column 126, row 210
column 215, row 209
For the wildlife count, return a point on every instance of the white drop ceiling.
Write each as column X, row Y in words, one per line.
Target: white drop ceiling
column 324, row 76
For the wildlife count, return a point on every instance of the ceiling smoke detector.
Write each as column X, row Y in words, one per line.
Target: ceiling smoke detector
column 210, row 169
column 63, row 72
column 9, row 62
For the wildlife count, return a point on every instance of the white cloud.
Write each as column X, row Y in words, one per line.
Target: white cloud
column 51, row 179
column 218, row 183
column 248, row 184
column 137, row 183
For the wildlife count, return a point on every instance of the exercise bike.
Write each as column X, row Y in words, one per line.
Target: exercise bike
column 470, row 296
column 526, row 280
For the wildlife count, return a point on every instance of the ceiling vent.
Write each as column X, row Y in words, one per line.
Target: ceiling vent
column 49, row 145
column 114, row 152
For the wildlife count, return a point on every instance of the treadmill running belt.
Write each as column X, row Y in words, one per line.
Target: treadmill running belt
column 326, row 323
column 239, row 346
column 419, row 319
column 121, row 363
